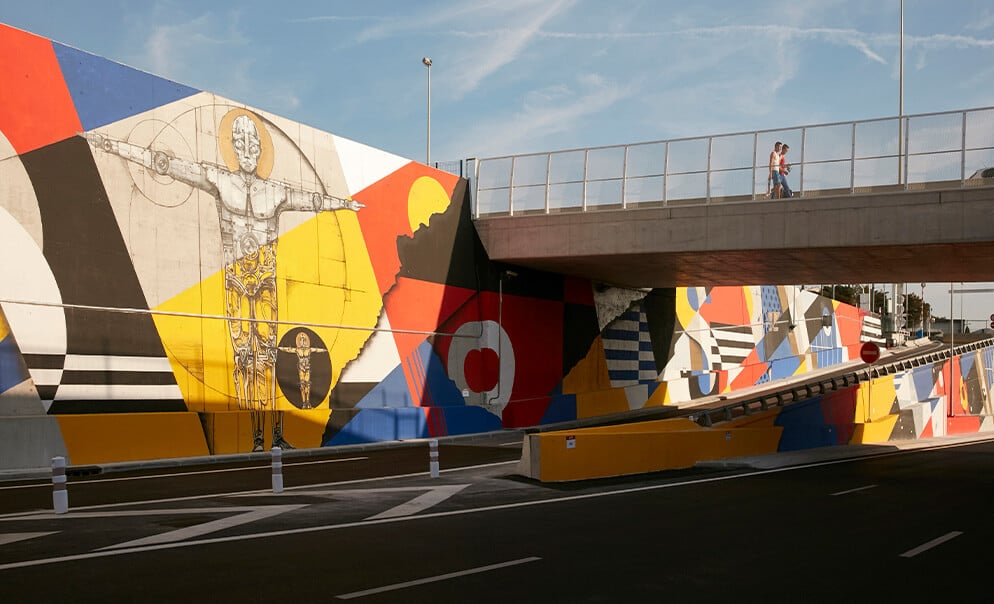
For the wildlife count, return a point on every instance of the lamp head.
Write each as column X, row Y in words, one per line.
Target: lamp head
column 426, row 61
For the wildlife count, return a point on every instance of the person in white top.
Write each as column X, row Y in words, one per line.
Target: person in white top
column 774, row 177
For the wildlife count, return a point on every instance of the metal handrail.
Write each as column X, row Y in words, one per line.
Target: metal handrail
column 704, row 191
column 706, row 417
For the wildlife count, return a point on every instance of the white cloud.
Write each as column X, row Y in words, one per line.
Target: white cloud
column 982, row 21
column 543, row 112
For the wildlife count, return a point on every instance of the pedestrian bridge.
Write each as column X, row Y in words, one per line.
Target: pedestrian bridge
column 886, row 200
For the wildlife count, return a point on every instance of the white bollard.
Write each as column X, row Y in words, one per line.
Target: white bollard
column 277, row 470
column 433, row 457
column 60, row 496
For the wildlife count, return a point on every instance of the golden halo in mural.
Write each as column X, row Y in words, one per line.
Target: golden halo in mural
column 265, row 165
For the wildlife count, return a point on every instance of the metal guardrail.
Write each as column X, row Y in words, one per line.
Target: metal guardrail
column 948, row 149
column 800, row 392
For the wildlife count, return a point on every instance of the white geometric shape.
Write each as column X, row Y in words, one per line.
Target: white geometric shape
column 38, row 329
column 363, row 165
column 377, row 359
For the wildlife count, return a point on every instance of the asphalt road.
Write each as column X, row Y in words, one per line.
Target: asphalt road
column 907, row 526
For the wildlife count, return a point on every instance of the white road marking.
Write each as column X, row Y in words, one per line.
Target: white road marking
column 205, row 528
column 911, row 553
column 15, row 537
column 434, row 495
column 462, row 573
column 854, row 490
column 422, row 502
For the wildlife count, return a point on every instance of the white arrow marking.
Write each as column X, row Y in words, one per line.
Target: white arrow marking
column 206, row 528
column 421, row 502
column 433, row 496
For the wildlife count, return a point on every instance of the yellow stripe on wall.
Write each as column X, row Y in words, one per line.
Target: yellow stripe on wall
column 112, row 437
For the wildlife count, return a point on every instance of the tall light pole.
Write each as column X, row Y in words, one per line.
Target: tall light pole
column 900, row 106
column 427, row 62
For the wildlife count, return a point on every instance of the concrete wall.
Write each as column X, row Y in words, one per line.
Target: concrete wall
column 171, row 255
column 937, row 399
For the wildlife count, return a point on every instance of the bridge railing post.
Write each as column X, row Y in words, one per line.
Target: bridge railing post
column 962, row 153
column 510, row 189
column 548, row 178
column 586, row 159
column 666, row 169
column 707, row 182
column 800, row 176
column 624, row 180
column 852, row 162
column 755, row 160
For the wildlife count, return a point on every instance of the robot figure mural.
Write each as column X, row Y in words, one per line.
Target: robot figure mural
column 249, row 205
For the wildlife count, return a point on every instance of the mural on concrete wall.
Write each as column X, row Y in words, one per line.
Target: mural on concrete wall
column 935, row 399
column 180, row 252
column 249, row 206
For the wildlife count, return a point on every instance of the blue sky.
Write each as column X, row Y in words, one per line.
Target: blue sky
column 516, row 76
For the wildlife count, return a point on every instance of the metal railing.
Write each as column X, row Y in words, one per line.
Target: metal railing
column 948, row 149
column 803, row 391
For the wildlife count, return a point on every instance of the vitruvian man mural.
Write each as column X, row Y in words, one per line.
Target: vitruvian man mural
column 184, row 274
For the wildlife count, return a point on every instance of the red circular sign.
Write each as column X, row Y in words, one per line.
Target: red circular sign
column 869, row 352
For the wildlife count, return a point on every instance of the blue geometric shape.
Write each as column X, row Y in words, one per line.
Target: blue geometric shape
column 470, row 419
column 105, row 92
column 375, row 425
column 804, row 427
column 922, row 378
column 392, row 392
column 12, row 368
column 560, row 409
column 442, row 391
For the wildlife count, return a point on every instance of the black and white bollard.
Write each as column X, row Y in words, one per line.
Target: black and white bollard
column 433, row 457
column 277, row 470
column 60, row 496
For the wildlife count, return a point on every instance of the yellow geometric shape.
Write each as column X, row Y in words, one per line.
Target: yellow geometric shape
column 874, row 399
column 877, row 431
column 4, row 327
column 685, row 313
column 602, row 402
column 426, row 198
column 590, row 374
column 324, row 281
column 112, row 437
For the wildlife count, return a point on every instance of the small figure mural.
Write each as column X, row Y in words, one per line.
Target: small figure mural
column 249, row 205
column 304, row 350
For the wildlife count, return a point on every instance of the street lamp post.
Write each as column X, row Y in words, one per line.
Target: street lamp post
column 427, row 62
column 900, row 106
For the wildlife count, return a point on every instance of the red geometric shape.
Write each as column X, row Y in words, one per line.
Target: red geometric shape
column 752, row 371
column 535, row 330
column 529, row 412
column 482, row 369
column 962, row 424
column 386, row 216
column 726, row 305
column 420, row 306
column 35, row 106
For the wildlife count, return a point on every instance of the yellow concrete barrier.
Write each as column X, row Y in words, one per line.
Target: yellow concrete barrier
column 111, row 437
column 640, row 448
